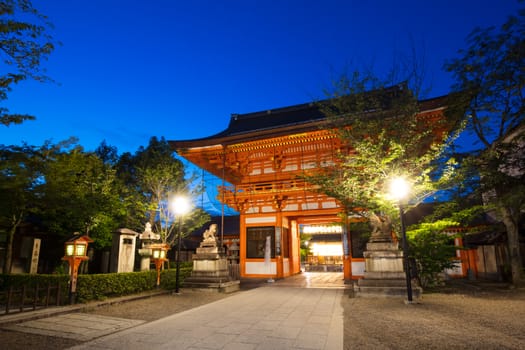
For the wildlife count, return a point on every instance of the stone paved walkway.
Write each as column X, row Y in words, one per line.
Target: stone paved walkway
column 262, row 318
column 78, row 326
column 300, row 312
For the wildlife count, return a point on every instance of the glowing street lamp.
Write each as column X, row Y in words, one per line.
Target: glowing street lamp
column 180, row 206
column 158, row 254
column 399, row 189
column 75, row 252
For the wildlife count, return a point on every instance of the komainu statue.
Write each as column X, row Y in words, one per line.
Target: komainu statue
column 209, row 237
column 381, row 228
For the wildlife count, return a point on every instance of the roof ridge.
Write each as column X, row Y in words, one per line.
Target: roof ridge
column 237, row 116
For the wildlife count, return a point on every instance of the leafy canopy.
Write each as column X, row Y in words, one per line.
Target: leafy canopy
column 490, row 95
column 382, row 136
column 24, row 43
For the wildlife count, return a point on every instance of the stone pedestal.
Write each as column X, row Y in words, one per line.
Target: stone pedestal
column 384, row 273
column 210, row 271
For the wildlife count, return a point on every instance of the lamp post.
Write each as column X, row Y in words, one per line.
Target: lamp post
column 180, row 207
column 399, row 189
column 75, row 253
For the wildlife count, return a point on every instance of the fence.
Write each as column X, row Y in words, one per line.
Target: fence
column 29, row 298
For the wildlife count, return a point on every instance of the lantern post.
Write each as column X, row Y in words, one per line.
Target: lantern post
column 75, row 253
column 158, row 254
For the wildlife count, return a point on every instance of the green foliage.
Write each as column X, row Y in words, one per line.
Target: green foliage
column 183, row 264
column 464, row 214
column 432, row 249
column 168, row 277
column 20, row 171
column 99, row 286
column 304, row 245
column 18, row 280
column 382, row 137
column 79, row 194
column 155, row 177
column 489, row 95
column 489, row 79
column 25, row 43
column 102, row 286
column 66, row 190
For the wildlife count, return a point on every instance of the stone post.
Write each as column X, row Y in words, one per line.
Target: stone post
column 123, row 250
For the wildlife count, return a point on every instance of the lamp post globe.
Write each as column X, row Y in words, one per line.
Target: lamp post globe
column 399, row 189
column 180, row 206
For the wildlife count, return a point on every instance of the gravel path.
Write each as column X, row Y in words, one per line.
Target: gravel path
column 464, row 316
column 439, row 321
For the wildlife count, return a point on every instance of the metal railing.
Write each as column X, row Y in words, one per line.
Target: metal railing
column 26, row 298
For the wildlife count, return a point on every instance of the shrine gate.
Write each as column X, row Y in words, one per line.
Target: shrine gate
column 264, row 155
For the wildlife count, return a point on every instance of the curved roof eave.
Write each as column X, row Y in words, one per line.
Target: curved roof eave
column 226, row 137
column 278, row 122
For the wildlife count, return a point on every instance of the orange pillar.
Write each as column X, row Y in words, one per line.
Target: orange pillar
column 242, row 245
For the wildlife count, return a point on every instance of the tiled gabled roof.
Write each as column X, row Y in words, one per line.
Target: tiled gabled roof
column 274, row 122
column 256, row 125
column 288, row 116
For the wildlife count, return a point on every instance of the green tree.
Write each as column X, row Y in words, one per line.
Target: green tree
column 490, row 94
column 432, row 249
column 382, row 137
column 155, row 177
column 20, row 173
column 24, row 44
column 79, row 193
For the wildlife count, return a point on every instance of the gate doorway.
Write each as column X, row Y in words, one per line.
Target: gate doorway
column 322, row 248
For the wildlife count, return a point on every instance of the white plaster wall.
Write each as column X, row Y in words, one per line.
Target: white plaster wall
column 291, row 207
column 358, row 268
column 261, row 268
column 267, row 209
column 261, row 220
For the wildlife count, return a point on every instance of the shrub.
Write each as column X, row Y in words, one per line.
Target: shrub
column 98, row 286
column 432, row 251
column 102, row 286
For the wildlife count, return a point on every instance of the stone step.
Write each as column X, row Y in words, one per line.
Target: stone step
column 374, row 292
column 364, row 282
column 213, row 286
column 389, row 275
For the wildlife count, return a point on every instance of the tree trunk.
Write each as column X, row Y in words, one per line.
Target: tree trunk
column 8, row 261
column 513, row 244
column 9, row 250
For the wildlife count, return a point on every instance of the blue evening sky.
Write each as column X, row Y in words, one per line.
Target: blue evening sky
column 128, row 70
